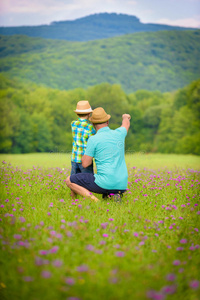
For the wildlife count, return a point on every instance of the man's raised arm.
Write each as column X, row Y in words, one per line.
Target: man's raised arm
column 126, row 121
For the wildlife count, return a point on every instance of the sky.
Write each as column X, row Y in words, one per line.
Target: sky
column 184, row 13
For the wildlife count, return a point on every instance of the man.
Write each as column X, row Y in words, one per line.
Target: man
column 107, row 148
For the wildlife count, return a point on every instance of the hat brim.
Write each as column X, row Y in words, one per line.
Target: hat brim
column 101, row 120
column 83, row 111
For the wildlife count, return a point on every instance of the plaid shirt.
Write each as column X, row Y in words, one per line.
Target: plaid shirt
column 81, row 131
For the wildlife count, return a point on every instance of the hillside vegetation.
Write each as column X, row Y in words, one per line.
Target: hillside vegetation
column 37, row 119
column 93, row 27
column 164, row 61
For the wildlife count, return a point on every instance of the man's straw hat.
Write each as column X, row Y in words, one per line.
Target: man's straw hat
column 99, row 116
column 83, row 107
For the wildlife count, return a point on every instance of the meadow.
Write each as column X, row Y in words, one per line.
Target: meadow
column 53, row 247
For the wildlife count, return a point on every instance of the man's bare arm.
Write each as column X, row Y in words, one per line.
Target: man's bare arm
column 86, row 161
column 126, row 121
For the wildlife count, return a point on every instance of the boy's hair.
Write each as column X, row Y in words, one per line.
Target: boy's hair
column 82, row 116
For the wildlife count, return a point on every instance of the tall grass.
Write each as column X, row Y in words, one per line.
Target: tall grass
column 53, row 247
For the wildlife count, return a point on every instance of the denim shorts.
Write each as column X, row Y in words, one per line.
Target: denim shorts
column 87, row 181
column 78, row 168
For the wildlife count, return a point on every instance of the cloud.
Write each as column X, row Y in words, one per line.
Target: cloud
column 37, row 6
column 131, row 2
column 187, row 22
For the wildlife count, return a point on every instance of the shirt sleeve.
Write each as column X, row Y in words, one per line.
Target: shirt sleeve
column 93, row 131
column 90, row 148
column 123, row 131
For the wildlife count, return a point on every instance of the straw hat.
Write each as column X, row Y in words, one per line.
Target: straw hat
column 99, row 116
column 83, row 107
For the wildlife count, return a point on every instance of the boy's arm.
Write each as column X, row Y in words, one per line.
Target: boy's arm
column 86, row 160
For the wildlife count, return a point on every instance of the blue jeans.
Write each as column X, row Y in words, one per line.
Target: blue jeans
column 78, row 168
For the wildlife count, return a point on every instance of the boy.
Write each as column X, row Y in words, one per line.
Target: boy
column 82, row 129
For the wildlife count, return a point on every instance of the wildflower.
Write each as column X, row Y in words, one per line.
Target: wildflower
column 43, row 252
column 90, row 247
column 169, row 290
column 57, row 263
column 171, row 277
column 176, row 262
column 105, row 235
column 82, row 268
column 102, row 242
column 155, row 295
column 141, row 243
column 120, row 254
column 104, row 225
column 183, row 241
column 194, row 284
column 46, row 274
column 28, row 278
column 17, row 236
column 54, row 249
column 69, row 281
column 179, row 248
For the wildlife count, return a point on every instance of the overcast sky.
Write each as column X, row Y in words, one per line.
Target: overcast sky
column 36, row 12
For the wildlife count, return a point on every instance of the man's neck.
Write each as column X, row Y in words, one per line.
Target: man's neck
column 99, row 126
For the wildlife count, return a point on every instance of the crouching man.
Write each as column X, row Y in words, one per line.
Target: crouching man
column 107, row 148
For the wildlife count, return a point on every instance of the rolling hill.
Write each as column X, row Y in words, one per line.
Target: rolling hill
column 163, row 60
column 93, row 27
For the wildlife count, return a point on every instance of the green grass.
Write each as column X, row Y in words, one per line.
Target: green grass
column 54, row 248
column 139, row 160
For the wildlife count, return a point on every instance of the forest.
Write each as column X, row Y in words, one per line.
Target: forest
column 35, row 118
column 163, row 61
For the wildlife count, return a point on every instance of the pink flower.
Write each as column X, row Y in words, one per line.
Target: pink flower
column 171, row 277
column 82, row 268
column 69, row 281
column 46, row 274
column 105, row 235
column 28, row 278
column 194, row 284
column 17, row 236
column 183, row 241
column 120, row 254
column 176, row 262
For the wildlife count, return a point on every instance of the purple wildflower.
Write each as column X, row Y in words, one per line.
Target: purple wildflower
column 69, row 281
column 46, row 274
column 183, row 241
column 120, row 254
column 82, row 268
column 57, row 263
column 28, row 278
column 171, row 277
column 194, row 284
column 176, row 262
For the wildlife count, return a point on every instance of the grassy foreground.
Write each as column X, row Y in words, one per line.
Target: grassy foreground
column 52, row 247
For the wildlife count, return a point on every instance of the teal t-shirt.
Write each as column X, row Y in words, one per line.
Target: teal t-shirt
column 107, row 148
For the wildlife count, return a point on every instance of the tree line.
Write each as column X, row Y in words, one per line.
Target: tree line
column 37, row 119
column 163, row 60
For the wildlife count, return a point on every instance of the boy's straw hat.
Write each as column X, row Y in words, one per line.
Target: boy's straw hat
column 99, row 116
column 83, row 107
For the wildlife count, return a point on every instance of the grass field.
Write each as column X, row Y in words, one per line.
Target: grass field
column 138, row 160
column 52, row 247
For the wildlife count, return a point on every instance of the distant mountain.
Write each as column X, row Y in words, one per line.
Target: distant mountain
column 93, row 27
column 164, row 61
